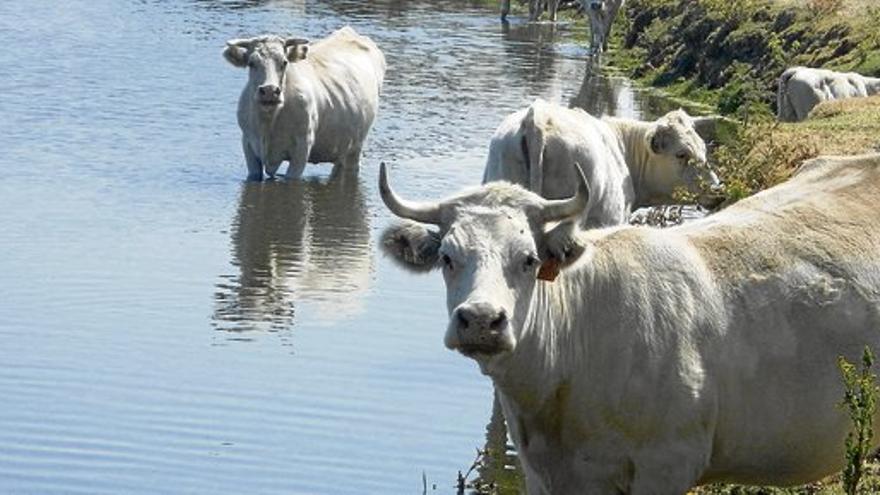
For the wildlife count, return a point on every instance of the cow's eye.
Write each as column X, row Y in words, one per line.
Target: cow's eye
column 530, row 262
column 682, row 155
column 284, row 64
column 447, row 261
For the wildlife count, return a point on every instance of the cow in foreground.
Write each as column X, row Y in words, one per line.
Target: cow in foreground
column 306, row 102
column 628, row 163
column 661, row 358
column 602, row 14
column 802, row 88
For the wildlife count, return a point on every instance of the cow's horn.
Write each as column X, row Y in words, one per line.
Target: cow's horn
column 295, row 41
column 419, row 211
column 561, row 209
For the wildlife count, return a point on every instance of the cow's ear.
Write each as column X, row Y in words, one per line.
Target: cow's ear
column 412, row 245
column 661, row 138
column 561, row 247
column 236, row 53
column 297, row 49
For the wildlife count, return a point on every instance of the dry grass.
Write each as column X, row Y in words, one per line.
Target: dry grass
column 842, row 127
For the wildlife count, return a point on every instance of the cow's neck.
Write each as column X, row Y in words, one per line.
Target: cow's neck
column 549, row 348
column 549, row 362
column 636, row 145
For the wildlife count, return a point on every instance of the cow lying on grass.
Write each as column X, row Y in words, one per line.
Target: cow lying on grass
column 801, row 88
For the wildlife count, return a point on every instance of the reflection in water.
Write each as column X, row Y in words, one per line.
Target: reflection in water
column 498, row 470
column 533, row 46
column 302, row 240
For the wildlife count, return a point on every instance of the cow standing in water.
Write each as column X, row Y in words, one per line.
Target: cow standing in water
column 536, row 8
column 628, row 163
column 660, row 359
column 306, row 102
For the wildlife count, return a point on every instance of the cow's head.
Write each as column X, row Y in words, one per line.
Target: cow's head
column 679, row 156
column 266, row 58
column 492, row 245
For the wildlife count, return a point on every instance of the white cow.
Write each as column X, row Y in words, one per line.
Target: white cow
column 802, row 88
column 602, row 14
column 628, row 163
column 306, row 102
column 536, row 7
column 662, row 358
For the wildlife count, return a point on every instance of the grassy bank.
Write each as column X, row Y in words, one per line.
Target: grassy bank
column 728, row 55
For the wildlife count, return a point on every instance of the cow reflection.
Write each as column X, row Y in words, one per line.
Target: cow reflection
column 304, row 241
column 531, row 51
column 601, row 95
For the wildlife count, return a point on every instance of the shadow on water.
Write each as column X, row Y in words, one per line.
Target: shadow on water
column 302, row 241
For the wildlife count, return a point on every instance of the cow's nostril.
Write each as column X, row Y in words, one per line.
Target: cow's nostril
column 499, row 321
column 462, row 319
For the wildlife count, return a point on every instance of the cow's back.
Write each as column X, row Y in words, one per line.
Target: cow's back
column 567, row 137
column 350, row 70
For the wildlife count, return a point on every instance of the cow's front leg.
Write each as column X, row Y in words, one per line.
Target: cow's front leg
column 299, row 157
column 668, row 471
column 254, row 165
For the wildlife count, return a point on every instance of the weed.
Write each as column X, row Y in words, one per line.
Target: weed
column 860, row 398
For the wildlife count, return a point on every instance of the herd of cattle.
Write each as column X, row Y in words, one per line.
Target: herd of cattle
column 626, row 359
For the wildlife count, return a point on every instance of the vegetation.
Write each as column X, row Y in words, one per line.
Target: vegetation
column 860, row 398
column 728, row 55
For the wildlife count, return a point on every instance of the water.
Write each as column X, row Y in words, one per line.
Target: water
column 167, row 327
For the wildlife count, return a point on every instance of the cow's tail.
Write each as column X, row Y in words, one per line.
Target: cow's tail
column 532, row 143
column 785, row 111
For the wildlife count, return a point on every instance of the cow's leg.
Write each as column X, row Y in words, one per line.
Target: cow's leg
column 299, row 157
column 254, row 165
column 667, row 470
column 534, row 10
column 505, row 9
column 554, row 7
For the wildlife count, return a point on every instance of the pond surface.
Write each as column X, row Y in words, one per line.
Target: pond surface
column 167, row 327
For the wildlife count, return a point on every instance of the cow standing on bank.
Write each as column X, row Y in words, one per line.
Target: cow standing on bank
column 628, row 163
column 306, row 102
column 662, row 358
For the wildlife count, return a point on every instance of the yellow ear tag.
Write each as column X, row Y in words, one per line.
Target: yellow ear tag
column 549, row 270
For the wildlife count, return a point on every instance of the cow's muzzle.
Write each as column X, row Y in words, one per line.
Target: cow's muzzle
column 269, row 94
column 479, row 329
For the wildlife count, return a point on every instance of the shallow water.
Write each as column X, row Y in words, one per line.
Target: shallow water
column 167, row 327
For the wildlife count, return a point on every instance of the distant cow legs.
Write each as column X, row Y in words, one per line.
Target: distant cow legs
column 505, row 9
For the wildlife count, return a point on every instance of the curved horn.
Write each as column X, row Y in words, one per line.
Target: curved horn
column 242, row 42
column 561, row 209
column 295, row 41
column 419, row 211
